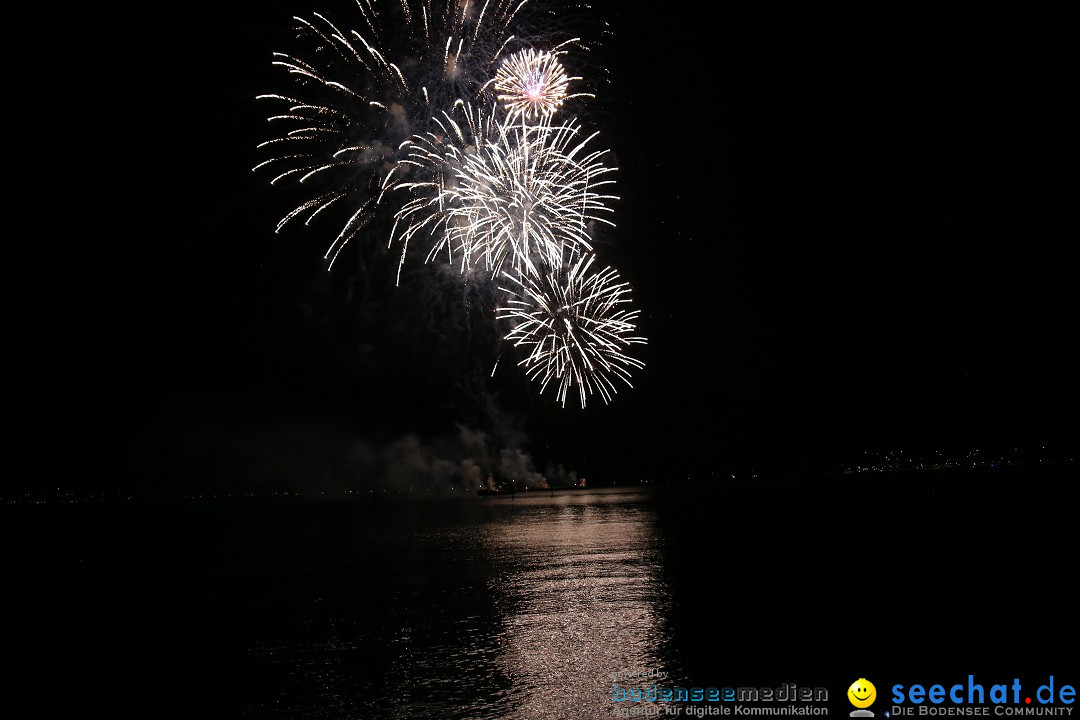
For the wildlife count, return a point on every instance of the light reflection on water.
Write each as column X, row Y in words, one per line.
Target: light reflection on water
column 477, row 608
column 580, row 574
column 495, row 608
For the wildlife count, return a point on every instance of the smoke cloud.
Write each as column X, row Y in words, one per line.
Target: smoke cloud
column 306, row 457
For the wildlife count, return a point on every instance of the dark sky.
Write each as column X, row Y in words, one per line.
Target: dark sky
column 847, row 227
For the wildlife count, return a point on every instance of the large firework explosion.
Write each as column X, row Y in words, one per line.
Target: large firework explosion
column 500, row 192
column 442, row 117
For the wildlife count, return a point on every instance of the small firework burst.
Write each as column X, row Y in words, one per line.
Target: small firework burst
column 574, row 326
column 532, row 84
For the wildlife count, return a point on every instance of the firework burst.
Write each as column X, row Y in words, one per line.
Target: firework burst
column 533, row 84
column 439, row 120
column 357, row 94
column 574, row 328
column 501, row 192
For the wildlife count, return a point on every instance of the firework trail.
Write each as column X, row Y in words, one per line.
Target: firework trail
column 440, row 119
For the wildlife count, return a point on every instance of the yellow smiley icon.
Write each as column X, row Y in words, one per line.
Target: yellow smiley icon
column 862, row 693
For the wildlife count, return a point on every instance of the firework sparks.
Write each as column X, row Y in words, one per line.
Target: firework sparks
column 501, row 192
column 532, row 84
column 357, row 95
column 449, row 110
column 574, row 327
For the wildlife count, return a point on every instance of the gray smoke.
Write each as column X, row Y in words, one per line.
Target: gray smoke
column 308, row 456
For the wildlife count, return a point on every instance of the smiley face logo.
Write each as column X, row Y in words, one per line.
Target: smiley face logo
column 862, row 693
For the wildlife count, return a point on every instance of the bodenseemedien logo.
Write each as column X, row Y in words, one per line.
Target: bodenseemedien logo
column 862, row 694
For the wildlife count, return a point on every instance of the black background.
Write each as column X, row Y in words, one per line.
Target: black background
column 847, row 228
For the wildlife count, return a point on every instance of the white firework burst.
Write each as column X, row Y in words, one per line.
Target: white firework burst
column 532, row 84
column 356, row 95
column 498, row 193
column 573, row 327
column 445, row 106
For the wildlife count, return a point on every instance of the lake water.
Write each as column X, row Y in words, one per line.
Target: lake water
column 467, row 607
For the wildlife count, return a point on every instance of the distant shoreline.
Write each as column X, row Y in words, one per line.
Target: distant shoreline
column 1063, row 471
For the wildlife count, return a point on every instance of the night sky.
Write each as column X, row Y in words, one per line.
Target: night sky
column 847, row 228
